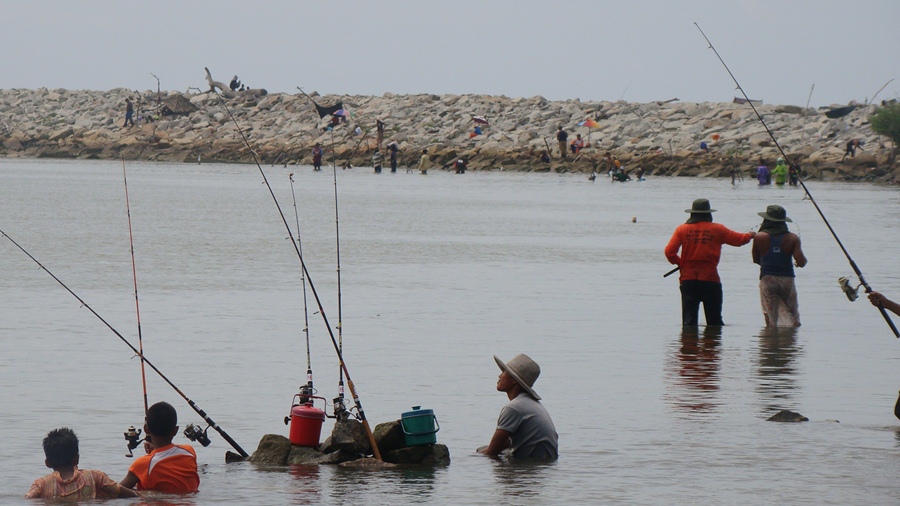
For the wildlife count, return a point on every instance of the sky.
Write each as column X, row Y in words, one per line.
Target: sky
column 824, row 52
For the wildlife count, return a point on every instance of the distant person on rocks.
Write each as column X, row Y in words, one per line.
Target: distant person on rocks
column 424, row 162
column 317, row 153
column 851, row 148
column 461, row 165
column 377, row 160
column 241, row 88
column 524, row 425
column 776, row 251
column 704, row 147
column 700, row 241
column 67, row 482
column 545, row 156
column 234, row 84
column 762, row 173
column 780, row 172
column 129, row 112
column 561, row 138
column 578, row 144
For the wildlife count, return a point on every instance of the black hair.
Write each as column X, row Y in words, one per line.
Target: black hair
column 161, row 419
column 61, row 447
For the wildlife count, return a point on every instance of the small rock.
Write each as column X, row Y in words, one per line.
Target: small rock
column 787, row 416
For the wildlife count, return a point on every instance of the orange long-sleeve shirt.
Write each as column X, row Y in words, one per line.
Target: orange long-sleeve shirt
column 701, row 246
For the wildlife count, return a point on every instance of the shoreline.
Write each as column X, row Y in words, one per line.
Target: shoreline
column 663, row 138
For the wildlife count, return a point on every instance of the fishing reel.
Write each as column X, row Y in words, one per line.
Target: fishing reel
column 195, row 433
column 340, row 410
column 851, row 292
column 133, row 436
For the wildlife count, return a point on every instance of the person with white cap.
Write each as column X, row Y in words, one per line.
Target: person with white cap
column 700, row 241
column 524, row 425
column 776, row 250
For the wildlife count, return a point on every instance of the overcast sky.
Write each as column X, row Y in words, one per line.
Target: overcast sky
column 639, row 51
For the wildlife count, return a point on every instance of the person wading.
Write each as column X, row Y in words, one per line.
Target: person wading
column 700, row 241
column 774, row 248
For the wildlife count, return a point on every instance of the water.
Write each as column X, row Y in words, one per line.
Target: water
column 440, row 272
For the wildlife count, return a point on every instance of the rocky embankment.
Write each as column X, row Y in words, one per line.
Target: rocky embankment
column 661, row 137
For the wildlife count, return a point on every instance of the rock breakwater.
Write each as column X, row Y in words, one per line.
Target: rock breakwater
column 663, row 138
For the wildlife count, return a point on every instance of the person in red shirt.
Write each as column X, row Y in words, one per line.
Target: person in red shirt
column 168, row 467
column 700, row 241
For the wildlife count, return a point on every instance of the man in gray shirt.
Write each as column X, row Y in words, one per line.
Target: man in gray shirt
column 524, row 425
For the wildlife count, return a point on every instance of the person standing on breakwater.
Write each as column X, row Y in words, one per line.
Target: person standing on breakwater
column 561, row 138
column 524, row 425
column 851, row 148
column 700, row 241
column 129, row 112
column 774, row 248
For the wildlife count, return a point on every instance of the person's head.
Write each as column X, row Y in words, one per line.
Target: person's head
column 61, row 448
column 700, row 211
column 559, row 127
column 577, row 136
column 318, row 144
column 162, row 420
column 519, row 374
column 425, row 151
column 773, row 216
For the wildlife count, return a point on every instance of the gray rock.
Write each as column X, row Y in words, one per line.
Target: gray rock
column 433, row 455
column 787, row 416
column 273, row 450
column 389, row 436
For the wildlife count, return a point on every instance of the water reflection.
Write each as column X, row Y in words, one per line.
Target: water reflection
column 694, row 369
column 519, row 480
column 307, row 489
column 778, row 351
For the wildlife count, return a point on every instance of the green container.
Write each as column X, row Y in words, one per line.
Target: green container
column 419, row 426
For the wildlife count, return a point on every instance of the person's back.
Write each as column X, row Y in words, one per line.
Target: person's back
column 532, row 431
column 67, row 482
column 762, row 174
column 169, row 468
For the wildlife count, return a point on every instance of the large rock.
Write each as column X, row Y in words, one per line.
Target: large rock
column 432, row 455
column 273, row 450
column 389, row 436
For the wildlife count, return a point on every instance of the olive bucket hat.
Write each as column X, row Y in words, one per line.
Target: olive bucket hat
column 700, row 206
column 775, row 213
column 524, row 370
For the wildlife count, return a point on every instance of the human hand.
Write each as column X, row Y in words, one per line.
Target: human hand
column 877, row 299
column 148, row 446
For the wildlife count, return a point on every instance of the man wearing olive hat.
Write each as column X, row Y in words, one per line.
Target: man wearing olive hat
column 700, row 241
column 524, row 424
column 774, row 249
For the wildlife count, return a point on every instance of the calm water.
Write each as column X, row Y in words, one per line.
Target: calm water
column 439, row 272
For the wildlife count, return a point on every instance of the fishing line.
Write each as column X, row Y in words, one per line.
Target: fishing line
column 312, row 287
column 191, row 403
column 309, row 375
column 137, row 306
column 796, row 172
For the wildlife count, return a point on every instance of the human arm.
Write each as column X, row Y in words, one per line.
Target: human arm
column 799, row 257
column 129, row 481
column 733, row 238
column 878, row 299
column 499, row 442
column 673, row 247
column 760, row 245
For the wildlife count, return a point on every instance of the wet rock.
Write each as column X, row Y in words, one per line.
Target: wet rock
column 367, row 463
column 349, row 436
column 787, row 416
column 433, row 455
column 273, row 450
column 389, row 436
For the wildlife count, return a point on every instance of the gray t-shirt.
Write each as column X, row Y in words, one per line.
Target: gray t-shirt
column 532, row 432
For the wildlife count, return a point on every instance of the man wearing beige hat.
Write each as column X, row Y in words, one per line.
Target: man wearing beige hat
column 776, row 251
column 524, row 424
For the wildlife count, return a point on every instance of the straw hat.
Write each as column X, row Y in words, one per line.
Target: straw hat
column 775, row 213
column 524, row 370
column 700, row 206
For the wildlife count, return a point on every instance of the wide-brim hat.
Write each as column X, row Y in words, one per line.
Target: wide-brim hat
column 775, row 213
column 700, row 206
column 524, row 370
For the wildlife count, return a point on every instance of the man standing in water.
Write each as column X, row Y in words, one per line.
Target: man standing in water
column 700, row 241
column 774, row 248
column 524, row 424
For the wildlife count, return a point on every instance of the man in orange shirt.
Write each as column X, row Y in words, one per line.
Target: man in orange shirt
column 168, row 468
column 700, row 241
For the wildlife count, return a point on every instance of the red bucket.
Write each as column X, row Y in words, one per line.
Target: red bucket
column 306, row 425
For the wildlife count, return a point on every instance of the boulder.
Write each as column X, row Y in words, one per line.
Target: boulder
column 389, row 436
column 432, row 455
column 787, row 416
column 273, row 450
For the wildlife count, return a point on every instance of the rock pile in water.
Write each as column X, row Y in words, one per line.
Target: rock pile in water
column 663, row 138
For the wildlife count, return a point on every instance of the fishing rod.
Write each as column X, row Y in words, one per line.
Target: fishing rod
column 796, row 172
column 137, row 306
column 340, row 408
column 308, row 390
column 144, row 359
column 312, row 287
